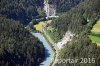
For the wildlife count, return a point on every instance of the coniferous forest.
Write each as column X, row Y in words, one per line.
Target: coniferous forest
column 64, row 5
column 79, row 20
column 18, row 47
column 21, row 10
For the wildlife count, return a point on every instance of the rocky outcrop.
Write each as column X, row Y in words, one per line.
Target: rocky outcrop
column 49, row 10
column 67, row 37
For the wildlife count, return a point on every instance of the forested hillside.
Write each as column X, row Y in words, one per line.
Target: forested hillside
column 79, row 20
column 17, row 46
column 64, row 5
column 22, row 10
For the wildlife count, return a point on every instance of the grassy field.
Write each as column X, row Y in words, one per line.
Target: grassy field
column 39, row 27
column 96, row 30
column 95, row 39
column 96, row 27
column 48, row 37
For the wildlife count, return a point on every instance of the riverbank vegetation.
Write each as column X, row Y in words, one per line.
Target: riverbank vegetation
column 49, row 38
column 44, row 28
column 17, row 46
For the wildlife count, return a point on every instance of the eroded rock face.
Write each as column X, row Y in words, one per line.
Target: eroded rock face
column 67, row 37
column 49, row 10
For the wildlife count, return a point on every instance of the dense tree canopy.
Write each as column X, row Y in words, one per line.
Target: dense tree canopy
column 80, row 48
column 17, row 46
column 79, row 20
column 22, row 10
column 64, row 5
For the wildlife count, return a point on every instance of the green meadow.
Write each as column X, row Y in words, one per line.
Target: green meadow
column 95, row 39
column 39, row 27
column 96, row 31
column 96, row 27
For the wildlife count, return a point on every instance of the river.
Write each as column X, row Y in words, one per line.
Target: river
column 49, row 53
